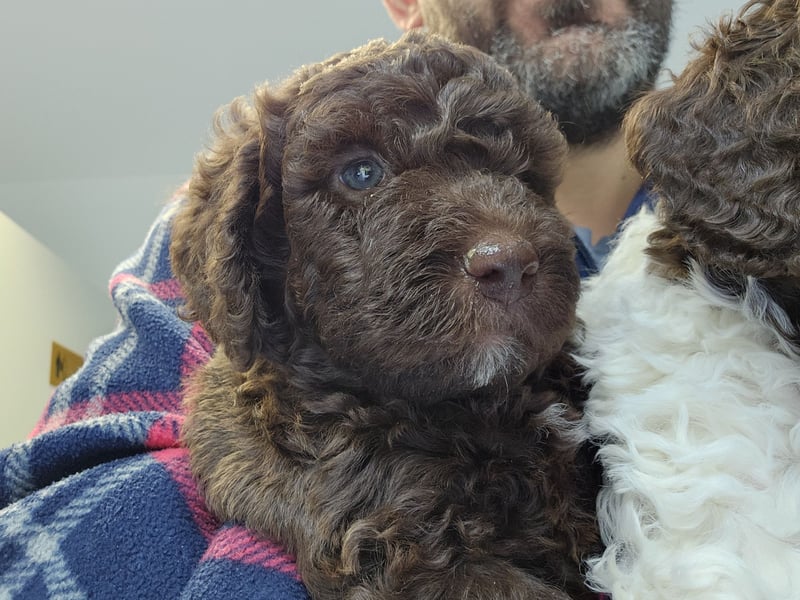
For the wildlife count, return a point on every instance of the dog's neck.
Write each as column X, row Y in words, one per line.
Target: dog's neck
column 598, row 185
column 298, row 419
column 557, row 382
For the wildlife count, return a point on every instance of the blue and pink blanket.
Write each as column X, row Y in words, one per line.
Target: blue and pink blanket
column 100, row 502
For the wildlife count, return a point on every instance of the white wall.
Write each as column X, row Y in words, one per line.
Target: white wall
column 690, row 18
column 42, row 301
column 104, row 104
column 93, row 223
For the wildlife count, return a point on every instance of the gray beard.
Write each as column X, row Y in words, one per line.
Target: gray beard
column 587, row 89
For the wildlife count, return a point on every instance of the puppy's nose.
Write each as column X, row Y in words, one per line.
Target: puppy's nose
column 503, row 268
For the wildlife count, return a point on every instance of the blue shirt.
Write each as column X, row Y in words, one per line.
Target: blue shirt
column 591, row 257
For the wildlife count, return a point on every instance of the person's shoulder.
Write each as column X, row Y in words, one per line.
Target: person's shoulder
column 139, row 367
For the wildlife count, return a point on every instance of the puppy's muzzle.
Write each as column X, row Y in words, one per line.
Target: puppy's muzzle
column 503, row 268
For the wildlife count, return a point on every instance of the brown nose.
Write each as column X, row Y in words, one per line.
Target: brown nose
column 503, row 268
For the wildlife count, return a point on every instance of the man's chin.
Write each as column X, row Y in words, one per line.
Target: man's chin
column 586, row 75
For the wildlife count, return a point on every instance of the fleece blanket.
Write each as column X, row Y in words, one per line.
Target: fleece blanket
column 99, row 502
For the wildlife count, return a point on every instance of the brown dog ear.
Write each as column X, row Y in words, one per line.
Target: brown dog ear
column 229, row 246
column 720, row 148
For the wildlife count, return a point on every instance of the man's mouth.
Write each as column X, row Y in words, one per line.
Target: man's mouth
column 560, row 14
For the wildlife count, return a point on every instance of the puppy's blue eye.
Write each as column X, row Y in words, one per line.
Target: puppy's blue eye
column 362, row 174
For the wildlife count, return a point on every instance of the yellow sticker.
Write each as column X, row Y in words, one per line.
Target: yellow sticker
column 63, row 363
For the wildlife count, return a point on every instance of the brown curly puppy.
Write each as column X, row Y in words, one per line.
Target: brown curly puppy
column 375, row 249
column 692, row 337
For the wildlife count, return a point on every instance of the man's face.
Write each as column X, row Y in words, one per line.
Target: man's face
column 584, row 60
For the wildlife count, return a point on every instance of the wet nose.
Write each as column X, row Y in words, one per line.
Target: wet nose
column 502, row 267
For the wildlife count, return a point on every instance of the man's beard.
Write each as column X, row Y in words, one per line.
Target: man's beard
column 587, row 86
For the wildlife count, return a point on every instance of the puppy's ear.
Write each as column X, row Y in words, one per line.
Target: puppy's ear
column 229, row 245
column 720, row 148
column 229, row 248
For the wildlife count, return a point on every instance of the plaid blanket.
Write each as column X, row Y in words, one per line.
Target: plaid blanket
column 100, row 502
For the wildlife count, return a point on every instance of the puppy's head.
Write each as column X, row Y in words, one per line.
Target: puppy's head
column 722, row 149
column 383, row 220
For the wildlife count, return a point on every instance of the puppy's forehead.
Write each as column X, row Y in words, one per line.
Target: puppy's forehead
column 422, row 102
column 411, row 79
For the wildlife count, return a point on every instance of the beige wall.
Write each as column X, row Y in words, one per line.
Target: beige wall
column 42, row 300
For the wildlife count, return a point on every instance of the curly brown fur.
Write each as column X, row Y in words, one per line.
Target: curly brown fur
column 406, row 429
column 721, row 148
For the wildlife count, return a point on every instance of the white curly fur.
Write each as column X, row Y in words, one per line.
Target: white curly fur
column 697, row 405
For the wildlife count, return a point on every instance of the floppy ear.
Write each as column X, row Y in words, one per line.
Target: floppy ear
column 720, row 147
column 229, row 246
